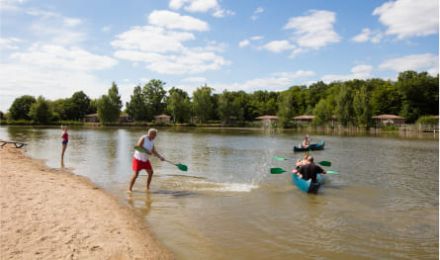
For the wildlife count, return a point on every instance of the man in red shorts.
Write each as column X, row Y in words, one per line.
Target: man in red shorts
column 141, row 159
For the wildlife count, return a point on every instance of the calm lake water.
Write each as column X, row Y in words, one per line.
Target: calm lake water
column 383, row 204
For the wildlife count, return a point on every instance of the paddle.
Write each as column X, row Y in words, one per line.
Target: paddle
column 181, row 167
column 323, row 163
column 281, row 170
column 277, row 170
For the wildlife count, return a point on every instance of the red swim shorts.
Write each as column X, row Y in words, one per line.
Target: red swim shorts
column 138, row 165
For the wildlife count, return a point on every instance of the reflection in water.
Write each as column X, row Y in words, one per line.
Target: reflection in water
column 383, row 204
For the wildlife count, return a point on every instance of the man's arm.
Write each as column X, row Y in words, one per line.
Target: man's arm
column 153, row 151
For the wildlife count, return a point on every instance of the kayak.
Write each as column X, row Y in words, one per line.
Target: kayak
column 307, row 185
column 312, row 147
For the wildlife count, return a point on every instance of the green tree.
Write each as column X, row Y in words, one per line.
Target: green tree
column 40, row 111
column 109, row 106
column 323, row 111
column 419, row 92
column 344, row 105
column 20, row 107
column 202, row 103
column 154, row 96
column 385, row 98
column 80, row 105
column 137, row 108
column 362, row 107
column 232, row 106
column 179, row 105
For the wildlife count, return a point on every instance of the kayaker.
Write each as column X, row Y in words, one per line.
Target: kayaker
column 306, row 141
column 141, row 159
column 310, row 170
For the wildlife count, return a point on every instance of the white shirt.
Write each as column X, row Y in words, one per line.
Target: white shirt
column 148, row 145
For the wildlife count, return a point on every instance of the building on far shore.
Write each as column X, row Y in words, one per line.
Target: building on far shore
column 93, row 118
column 268, row 120
column 162, row 119
column 303, row 119
column 389, row 119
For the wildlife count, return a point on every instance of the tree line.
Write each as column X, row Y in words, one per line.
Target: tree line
column 350, row 103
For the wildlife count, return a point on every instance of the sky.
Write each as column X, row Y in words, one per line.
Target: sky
column 54, row 48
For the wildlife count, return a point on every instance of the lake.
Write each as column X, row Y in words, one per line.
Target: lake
column 383, row 204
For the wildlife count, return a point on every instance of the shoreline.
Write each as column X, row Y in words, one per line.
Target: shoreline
column 49, row 213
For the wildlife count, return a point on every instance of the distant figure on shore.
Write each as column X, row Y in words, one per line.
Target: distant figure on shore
column 65, row 137
column 306, row 141
column 143, row 149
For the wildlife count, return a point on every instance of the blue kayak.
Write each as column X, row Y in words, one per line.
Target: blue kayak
column 307, row 185
column 312, row 147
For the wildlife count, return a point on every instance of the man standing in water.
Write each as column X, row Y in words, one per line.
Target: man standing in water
column 141, row 158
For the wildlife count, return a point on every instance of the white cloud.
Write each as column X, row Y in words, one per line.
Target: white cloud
column 362, row 71
column 11, row 5
column 247, row 42
column 200, row 6
column 58, row 57
column 368, row 35
column 244, row 43
column 9, row 43
column 278, row 46
column 55, row 28
column 275, row 82
column 152, row 39
column 36, row 81
column 257, row 11
column 409, row 18
column 313, row 31
column 198, row 80
column 163, row 50
column 172, row 20
column 426, row 62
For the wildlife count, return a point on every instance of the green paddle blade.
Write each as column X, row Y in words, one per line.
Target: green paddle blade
column 279, row 158
column 182, row 167
column 277, row 170
column 332, row 172
column 140, row 149
column 325, row 163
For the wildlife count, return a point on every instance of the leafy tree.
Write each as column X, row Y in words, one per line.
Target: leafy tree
column 79, row 104
column 361, row 106
column 20, row 107
column 178, row 105
column 40, row 111
column 137, row 108
column 109, row 106
column 344, row 105
column 419, row 93
column 323, row 111
column 232, row 106
column 154, row 95
column 385, row 98
column 262, row 102
column 202, row 103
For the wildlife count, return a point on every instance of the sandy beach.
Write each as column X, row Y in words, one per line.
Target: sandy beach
column 53, row 214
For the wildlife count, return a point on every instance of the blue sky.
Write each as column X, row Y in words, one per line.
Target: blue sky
column 55, row 48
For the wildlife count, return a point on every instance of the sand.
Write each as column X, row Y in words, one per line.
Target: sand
column 54, row 214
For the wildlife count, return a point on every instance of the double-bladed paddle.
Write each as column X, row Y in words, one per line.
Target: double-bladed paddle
column 323, row 163
column 181, row 167
column 281, row 170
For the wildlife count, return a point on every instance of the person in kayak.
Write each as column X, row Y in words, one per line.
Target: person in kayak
column 306, row 141
column 310, row 170
column 141, row 159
